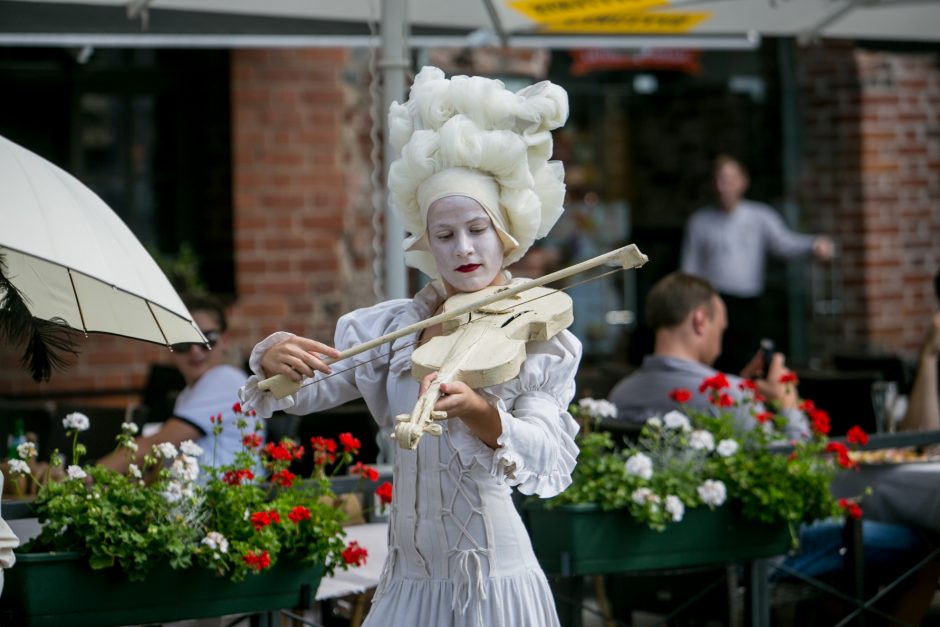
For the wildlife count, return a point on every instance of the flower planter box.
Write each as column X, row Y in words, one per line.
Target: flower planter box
column 573, row 540
column 55, row 589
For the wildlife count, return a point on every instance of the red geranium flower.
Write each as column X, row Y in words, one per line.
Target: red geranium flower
column 355, row 555
column 842, row 454
column 235, row 477
column 237, row 408
column 366, row 472
column 747, row 384
column 252, row 441
column 278, row 452
column 298, row 514
column 260, row 520
column 764, row 416
column 820, row 420
column 717, row 382
column 284, row 478
column 257, row 561
column 857, row 435
column 350, row 443
column 789, row 377
column 384, row 492
column 851, row 508
column 680, row 395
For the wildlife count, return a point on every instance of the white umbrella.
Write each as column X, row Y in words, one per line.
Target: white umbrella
column 75, row 264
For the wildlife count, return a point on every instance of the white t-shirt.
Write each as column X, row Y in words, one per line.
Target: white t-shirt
column 214, row 393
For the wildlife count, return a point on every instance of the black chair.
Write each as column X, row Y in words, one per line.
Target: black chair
column 890, row 367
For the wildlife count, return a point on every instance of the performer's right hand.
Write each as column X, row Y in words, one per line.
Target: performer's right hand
column 297, row 358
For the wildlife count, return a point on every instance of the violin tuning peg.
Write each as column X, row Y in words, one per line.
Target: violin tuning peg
column 434, row 429
column 438, row 415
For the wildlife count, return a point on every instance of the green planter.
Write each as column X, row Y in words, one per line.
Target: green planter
column 56, row 589
column 572, row 540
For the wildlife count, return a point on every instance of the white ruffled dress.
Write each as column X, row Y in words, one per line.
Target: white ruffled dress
column 458, row 552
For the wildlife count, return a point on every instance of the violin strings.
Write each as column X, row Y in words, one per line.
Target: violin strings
column 324, row 377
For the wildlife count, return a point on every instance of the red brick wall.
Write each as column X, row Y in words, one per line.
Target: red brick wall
column 303, row 247
column 302, row 215
column 871, row 160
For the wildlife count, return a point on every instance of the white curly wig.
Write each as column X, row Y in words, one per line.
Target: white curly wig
column 470, row 136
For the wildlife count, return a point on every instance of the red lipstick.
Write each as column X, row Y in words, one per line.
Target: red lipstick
column 470, row 267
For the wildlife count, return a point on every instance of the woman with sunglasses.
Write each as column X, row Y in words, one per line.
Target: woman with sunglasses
column 475, row 189
column 211, row 389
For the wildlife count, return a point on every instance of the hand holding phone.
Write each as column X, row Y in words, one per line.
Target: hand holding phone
column 767, row 354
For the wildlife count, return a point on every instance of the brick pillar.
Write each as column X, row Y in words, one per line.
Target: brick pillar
column 871, row 157
column 302, row 214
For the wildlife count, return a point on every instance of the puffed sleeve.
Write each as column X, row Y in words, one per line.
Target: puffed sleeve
column 362, row 375
column 312, row 397
column 536, row 451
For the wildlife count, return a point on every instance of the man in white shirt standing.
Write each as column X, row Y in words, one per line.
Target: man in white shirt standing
column 728, row 245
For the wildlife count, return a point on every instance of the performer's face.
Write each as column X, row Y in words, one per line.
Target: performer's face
column 465, row 245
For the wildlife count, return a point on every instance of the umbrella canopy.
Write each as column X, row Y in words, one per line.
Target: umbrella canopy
column 74, row 261
column 527, row 23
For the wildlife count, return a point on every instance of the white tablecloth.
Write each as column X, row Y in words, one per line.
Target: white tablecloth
column 901, row 493
column 374, row 538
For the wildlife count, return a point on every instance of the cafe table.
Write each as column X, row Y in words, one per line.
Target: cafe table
column 904, row 490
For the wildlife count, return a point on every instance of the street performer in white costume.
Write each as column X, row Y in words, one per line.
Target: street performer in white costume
column 474, row 187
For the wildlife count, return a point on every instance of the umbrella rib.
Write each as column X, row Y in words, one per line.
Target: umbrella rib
column 157, row 322
column 78, row 301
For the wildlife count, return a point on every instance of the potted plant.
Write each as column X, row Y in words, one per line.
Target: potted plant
column 176, row 539
column 691, row 489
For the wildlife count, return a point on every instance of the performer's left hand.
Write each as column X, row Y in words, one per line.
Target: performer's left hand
column 461, row 401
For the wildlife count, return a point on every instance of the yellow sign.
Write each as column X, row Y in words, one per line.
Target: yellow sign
column 554, row 10
column 652, row 22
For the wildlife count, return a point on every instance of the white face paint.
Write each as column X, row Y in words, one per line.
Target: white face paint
column 465, row 245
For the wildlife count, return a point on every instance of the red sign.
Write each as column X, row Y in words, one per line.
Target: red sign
column 597, row 60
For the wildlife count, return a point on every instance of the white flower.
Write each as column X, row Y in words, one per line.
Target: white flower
column 27, row 450
column 131, row 445
column 641, row 496
column 76, row 422
column 640, row 465
column 727, row 448
column 702, row 440
column 134, row 471
column 675, row 507
column 677, row 420
column 173, row 492
column 655, row 422
column 166, row 450
column 129, row 428
column 18, row 467
column 185, row 468
column 75, row 472
column 191, row 448
column 597, row 408
column 216, row 541
column 712, row 492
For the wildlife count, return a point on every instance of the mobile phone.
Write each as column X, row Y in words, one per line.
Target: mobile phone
column 767, row 352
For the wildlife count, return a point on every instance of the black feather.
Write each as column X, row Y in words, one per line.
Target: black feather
column 50, row 344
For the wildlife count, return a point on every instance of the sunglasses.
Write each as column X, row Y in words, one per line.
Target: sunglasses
column 212, row 338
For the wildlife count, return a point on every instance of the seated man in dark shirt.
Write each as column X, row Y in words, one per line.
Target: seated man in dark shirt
column 688, row 319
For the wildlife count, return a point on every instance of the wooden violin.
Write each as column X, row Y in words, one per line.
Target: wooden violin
column 494, row 326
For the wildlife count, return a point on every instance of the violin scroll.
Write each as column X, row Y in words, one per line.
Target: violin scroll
column 412, row 426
